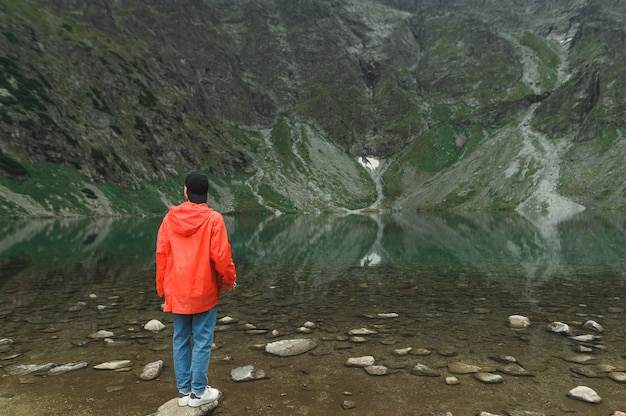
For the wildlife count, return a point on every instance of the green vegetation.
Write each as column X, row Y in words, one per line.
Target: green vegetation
column 282, row 140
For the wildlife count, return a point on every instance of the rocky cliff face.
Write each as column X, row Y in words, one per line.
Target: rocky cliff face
column 104, row 106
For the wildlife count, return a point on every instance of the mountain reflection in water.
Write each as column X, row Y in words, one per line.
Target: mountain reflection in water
column 450, row 281
column 318, row 249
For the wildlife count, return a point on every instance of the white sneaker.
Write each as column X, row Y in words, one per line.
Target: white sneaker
column 210, row 395
column 183, row 399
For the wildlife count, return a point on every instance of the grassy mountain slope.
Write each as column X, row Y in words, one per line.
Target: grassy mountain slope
column 470, row 104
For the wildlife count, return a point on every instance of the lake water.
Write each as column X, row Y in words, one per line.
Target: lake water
column 452, row 280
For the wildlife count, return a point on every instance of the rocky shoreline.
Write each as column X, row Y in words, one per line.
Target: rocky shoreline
column 322, row 342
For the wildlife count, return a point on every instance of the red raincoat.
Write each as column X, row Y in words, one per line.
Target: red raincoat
column 193, row 259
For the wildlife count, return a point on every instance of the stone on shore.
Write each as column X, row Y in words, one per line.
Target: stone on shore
column 171, row 408
column 154, row 325
column 585, row 394
column 23, row 369
column 424, row 370
column 378, row 370
column 247, row 373
column 114, row 365
column 364, row 361
column 458, row 367
column 618, row 376
column 489, row 378
column 65, row 368
column 151, row 370
column 290, row 347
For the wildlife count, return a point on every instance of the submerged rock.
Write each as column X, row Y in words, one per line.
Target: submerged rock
column 514, row 369
column 560, row 328
column 593, row 326
column 101, row 334
column 518, row 322
column 362, row 331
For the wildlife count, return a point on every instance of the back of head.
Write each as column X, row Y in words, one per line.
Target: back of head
column 197, row 187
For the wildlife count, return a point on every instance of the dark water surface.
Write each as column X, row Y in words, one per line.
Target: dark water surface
column 452, row 280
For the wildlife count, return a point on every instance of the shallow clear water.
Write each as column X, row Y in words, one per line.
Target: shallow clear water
column 453, row 281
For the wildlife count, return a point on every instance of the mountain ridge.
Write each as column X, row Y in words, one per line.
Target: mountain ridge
column 276, row 101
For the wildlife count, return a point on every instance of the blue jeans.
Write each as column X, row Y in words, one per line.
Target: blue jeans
column 192, row 364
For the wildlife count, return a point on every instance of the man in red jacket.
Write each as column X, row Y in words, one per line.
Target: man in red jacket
column 193, row 263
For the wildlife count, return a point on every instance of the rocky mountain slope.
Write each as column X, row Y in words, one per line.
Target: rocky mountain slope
column 466, row 104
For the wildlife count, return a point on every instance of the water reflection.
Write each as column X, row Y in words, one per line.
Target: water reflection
column 318, row 248
column 452, row 279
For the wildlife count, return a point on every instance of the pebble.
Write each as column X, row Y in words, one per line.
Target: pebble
column 452, row 381
column 377, row 370
column 489, row 378
column 247, row 373
column 154, row 325
column 151, row 370
column 585, row 338
column 585, row 394
column 593, row 326
column 581, row 359
column 362, row 331
column 114, row 365
column 358, row 340
column 347, row 405
column 514, row 369
column 402, row 351
column 505, row 359
column 102, row 334
column 618, row 376
column 462, row 368
column 65, row 368
column 290, row 347
column 560, row 328
column 421, row 352
column 227, row 320
column 518, row 322
column 424, row 370
column 23, row 369
column 364, row 361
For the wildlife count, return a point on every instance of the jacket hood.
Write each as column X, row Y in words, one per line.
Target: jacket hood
column 187, row 218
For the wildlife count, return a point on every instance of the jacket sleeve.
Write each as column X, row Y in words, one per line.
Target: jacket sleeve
column 221, row 254
column 162, row 248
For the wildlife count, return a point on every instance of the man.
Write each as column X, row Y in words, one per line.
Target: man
column 193, row 263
